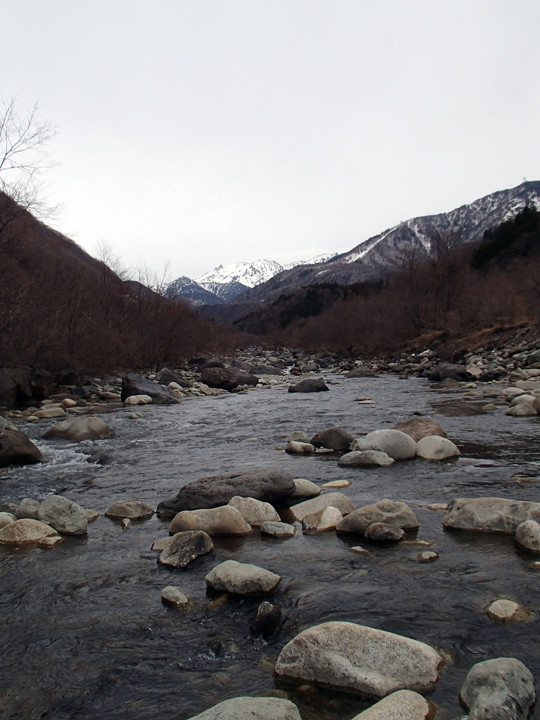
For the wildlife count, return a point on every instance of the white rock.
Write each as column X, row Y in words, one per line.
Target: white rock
column 498, row 689
column 334, row 499
column 503, row 610
column 299, row 448
column 224, row 520
column 528, row 535
column 251, row 708
column 359, row 660
column 138, row 400
column 399, row 705
column 65, row 516
column 242, row 579
column 254, row 512
column 434, row 447
column 395, row 443
column 365, row 458
column 305, row 488
column 278, row 529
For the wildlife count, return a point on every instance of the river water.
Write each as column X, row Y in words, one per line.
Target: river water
column 85, row 635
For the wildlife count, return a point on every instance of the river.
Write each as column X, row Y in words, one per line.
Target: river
column 85, row 635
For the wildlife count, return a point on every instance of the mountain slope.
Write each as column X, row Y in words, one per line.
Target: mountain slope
column 191, row 291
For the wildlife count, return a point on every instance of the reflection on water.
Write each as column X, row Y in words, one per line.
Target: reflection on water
column 86, row 636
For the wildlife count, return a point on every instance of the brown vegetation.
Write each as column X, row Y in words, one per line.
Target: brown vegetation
column 59, row 306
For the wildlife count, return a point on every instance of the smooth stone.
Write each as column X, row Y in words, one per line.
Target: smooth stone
column 337, row 484
column 65, row 516
column 138, row 400
column 498, row 689
column 254, row 512
column 503, row 610
column 309, row 385
column 268, row 484
column 17, row 449
column 522, row 410
column 242, row 579
column 6, row 518
column 186, row 547
column 399, row 705
column 386, row 511
column 174, row 597
column 419, row 427
column 131, row 509
column 251, row 708
column 78, row 429
column 25, row 531
column 427, row 556
column 490, row 514
column 434, row 447
column 395, row 443
column 278, row 529
column 359, row 660
column 305, row 488
column 321, row 521
column 307, row 507
column 28, row 508
column 49, row 542
column 332, row 438
column 365, row 458
column 299, row 448
column 225, row 520
column 528, row 535
column 50, row 411
column 359, row 549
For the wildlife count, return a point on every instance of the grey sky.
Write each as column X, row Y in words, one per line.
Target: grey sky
column 206, row 132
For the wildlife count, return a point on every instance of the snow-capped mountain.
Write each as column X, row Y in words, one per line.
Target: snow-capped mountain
column 191, row 291
column 249, row 274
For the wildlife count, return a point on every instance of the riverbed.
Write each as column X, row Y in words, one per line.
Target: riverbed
column 85, row 635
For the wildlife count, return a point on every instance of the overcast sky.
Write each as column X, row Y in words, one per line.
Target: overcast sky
column 204, row 132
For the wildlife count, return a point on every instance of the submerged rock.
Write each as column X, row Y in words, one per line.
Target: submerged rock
column 391, row 512
column 185, row 547
column 365, row 458
column 309, row 385
column 278, row 529
column 358, row 659
column 333, row 438
column 132, row 509
column 383, row 532
column 490, row 514
column 242, row 579
column 268, row 484
column 174, row 597
column 498, row 689
column 78, row 429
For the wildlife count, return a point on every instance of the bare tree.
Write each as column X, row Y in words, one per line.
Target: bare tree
column 24, row 140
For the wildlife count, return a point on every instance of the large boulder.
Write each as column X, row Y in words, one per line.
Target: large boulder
column 17, row 449
column 490, row 514
column 359, row 660
column 135, row 384
column 243, row 377
column 333, row 438
column 391, row 512
column 498, row 689
column 399, row 705
column 398, row 445
column 308, row 386
column 444, row 371
column 78, row 429
column 269, row 485
column 222, row 378
column 25, row 532
column 63, row 515
column 242, row 579
column 185, row 547
column 15, row 385
column 225, row 520
column 419, row 427
column 334, row 499
column 254, row 708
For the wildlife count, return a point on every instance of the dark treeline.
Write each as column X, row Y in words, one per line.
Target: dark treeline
column 460, row 289
column 59, row 306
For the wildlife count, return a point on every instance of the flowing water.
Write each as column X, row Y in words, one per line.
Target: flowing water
column 85, row 635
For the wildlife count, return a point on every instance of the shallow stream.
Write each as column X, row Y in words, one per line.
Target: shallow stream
column 85, row 635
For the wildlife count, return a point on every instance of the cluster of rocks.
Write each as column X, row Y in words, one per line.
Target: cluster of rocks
column 417, row 437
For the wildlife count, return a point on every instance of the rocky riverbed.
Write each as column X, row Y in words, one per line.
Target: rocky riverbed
column 91, row 632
